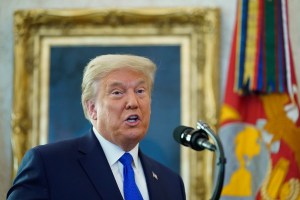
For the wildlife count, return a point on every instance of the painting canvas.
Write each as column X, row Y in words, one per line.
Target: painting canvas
column 66, row 118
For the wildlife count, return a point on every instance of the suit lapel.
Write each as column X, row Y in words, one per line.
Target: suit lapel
column 152, row 178
column 94, row 163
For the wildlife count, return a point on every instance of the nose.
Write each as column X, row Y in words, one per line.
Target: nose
column 132, row 101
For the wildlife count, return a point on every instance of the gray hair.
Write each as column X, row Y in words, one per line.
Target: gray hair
column 102, row 65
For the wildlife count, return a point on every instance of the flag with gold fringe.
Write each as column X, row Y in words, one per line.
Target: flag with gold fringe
column 259, row 121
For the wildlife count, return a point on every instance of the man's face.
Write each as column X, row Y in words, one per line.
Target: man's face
column 121, row 111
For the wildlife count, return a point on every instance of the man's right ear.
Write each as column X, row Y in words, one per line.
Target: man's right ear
column 91, row 107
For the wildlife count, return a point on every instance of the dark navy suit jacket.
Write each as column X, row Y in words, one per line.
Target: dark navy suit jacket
column 78, row 169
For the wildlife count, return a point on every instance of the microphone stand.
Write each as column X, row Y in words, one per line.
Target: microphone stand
column 221, row 160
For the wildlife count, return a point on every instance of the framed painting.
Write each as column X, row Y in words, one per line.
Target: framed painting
column 53, row 46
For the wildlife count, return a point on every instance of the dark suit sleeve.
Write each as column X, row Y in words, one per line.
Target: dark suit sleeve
column 30, row 182
column 183, row 195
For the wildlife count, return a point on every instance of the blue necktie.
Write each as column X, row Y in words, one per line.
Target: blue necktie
column 131, row 191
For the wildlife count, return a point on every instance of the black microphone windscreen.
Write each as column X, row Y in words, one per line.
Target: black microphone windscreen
column 178, row 131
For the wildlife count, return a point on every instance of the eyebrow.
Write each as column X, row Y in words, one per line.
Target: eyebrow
column 119, row 83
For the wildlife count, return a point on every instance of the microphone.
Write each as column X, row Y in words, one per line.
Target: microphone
column 196, row 139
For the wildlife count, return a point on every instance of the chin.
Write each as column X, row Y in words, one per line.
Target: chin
column 136, row 135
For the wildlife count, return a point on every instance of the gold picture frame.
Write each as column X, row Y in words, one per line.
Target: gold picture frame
column 195, row 30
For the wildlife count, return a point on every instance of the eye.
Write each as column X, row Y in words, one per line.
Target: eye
column 141, row 91
column 117, row 92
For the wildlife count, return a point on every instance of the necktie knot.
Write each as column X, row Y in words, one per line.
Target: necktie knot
column 126, row 159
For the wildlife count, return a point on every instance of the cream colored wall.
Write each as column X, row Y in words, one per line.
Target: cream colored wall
column 7, row 8
column 294, row 6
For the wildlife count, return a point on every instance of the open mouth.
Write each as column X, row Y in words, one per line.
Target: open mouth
column 132, row 118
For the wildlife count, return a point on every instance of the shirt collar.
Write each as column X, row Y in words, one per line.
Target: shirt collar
column 114, row 152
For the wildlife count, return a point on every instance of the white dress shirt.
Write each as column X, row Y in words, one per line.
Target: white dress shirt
column 113, row 153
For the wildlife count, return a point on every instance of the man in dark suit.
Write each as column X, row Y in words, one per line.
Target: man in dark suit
column 116, row 99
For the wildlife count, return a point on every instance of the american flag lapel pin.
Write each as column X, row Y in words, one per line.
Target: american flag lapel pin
column 154, row 176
